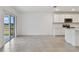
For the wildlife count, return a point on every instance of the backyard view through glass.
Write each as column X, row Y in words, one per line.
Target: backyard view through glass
column 9, row 28
column 12, row 26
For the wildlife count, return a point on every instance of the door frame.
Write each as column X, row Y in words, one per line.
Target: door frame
column 14, row 26
column 9, row 25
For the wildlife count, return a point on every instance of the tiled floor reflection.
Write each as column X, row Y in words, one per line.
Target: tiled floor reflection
column 39, row 44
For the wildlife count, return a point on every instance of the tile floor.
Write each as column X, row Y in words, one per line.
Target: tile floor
column 39, row 44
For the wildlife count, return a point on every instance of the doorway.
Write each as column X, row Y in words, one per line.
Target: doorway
column 9, row 28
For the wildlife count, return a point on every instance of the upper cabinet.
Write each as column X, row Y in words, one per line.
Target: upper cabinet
column 60, row 17
column 75, row 18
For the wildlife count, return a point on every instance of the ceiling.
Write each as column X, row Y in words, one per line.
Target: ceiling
column 24, row 9
column 33, row 8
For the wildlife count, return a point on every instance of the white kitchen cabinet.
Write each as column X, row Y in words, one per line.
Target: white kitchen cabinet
column 75, row 18
column 58, row 29
column 58, row 18
column 59, row 21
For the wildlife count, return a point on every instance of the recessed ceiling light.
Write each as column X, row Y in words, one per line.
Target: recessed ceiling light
column 73, row 9
column 57, row 9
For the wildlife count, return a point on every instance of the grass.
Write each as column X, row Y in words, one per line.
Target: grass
column 6, row 29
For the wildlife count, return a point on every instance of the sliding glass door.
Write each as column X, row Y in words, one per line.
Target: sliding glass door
column 6, row 28
column 9, row 28
column 12, row 27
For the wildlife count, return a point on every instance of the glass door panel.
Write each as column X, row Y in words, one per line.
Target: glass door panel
column 6, row 28
column 9, row 28
column 12, row 27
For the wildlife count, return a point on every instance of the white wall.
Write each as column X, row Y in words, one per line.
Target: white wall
column 35, row 23
column 40, row 23
column 19, row 25
column 4, row 11
column 1, row 28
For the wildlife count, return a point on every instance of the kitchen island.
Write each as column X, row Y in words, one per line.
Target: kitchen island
column 72, row 36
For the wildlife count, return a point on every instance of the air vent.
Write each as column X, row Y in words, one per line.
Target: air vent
column 54, row 6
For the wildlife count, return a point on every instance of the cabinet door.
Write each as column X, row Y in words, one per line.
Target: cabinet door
column 61, row 18
column 6, row 28
column 75, row 18
column 68, row 15
column 58, row 18
column 78, row 18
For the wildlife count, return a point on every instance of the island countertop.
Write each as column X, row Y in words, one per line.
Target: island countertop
column 72, row 36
